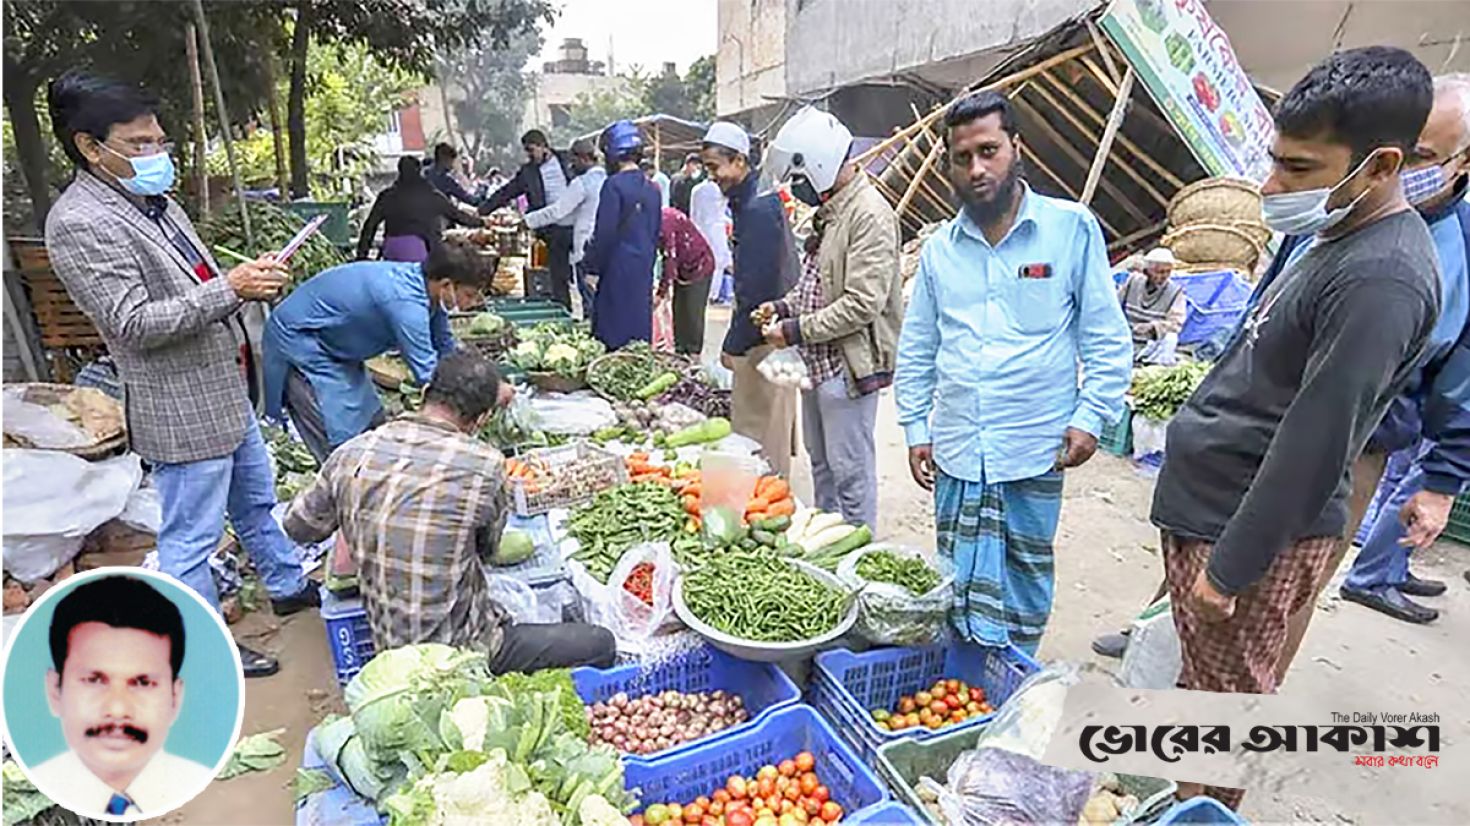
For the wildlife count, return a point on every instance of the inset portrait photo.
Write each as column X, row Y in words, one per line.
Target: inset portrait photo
column 123, row 694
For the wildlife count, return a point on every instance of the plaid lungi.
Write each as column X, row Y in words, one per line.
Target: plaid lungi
column 1240, row 654
column 999, row 537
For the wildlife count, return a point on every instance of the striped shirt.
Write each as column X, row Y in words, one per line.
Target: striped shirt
column 420, row 504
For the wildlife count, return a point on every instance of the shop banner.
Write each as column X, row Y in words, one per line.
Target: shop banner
column 1186, row 63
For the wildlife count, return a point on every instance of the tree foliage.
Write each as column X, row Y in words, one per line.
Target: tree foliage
column 690, row 97
column 488, row 89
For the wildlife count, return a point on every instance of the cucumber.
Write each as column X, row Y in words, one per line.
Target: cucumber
column 764, row 537
column 857, row 539
column 776, row 524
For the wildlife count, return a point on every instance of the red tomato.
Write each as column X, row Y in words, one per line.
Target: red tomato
column 939, row 707
column 809, row 783
column 709, row 820
column 821, row 795
column 736, row 787
column 831, row 812
column 720, row 796
column 812, row 806
column 693, row 813
column 805, row 762
column 977, row 694
column 792, row 792
column 702, row 802
column 953, row 701
column 953, row 685
column 786, row 806
column 773, row 803
column 739, row 818
column 787, row 768
column 765, row 787
column 635, row 820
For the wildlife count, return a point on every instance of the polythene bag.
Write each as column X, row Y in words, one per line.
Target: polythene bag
column 888, row 614
column 520, row 600
column 1148, row 436
column 1153, row 657
column 728, row 481
column 53, row 500
column 611, row 606
column 1003, row 781
column 786, row 368
column 572, row 414
column 39, row 427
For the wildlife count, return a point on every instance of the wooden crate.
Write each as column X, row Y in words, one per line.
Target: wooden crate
column 59, row 320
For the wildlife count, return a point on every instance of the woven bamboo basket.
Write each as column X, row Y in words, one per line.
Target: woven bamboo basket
column 668, row 362
column 1215, row 201
column 100, row 415
column 1227, row 243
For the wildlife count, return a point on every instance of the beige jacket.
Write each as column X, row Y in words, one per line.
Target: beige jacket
column 861, row 284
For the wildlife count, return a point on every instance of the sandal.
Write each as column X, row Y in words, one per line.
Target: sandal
column 256, row 664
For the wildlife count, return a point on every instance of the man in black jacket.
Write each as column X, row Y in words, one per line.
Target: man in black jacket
column 684, row 182
column 542, row 179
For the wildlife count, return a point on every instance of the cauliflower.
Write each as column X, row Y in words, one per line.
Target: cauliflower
column 527, row 355
column 563, row 358
column 596, row 811
column 483, row 795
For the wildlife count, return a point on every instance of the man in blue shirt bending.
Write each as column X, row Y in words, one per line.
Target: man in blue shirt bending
column 1011, row 296
column 319, row 337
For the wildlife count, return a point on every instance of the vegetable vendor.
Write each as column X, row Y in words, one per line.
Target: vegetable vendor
column 619, row 258
column 844, row 313
column 422, row 504
column 1010, row 296
column 319, row 337
column 1155, row 308
column 766, row 266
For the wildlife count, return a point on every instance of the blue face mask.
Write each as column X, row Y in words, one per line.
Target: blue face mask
column 1305, row 212
column 152, row 174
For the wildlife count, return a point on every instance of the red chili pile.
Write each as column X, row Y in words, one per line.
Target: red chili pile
column 640, row 582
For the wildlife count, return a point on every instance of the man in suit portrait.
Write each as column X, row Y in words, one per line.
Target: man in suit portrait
column 131, row 260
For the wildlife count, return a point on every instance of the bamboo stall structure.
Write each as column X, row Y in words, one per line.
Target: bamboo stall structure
column 1088, row 132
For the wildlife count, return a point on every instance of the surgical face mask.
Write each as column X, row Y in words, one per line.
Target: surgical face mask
column 152, row 174
column 1306, row 212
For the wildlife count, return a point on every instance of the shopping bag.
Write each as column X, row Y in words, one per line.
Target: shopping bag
column 610, row 605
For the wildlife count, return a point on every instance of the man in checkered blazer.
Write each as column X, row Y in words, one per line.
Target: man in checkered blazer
column 133, row 263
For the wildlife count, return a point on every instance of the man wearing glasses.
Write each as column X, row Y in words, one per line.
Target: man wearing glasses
column 131, row 260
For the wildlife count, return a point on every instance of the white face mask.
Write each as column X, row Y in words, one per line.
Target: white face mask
column 1306, row 212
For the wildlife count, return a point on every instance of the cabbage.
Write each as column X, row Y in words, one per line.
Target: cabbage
column 515, row 547
column 397, row 698
column 347, row 760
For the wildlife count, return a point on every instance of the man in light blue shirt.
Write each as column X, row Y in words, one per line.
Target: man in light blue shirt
column 1014, row 355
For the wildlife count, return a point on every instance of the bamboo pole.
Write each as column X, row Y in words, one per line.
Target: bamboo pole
column 1077, row 157
column 1110, row 132
column 1127, row 143
column 224, row 121
column 196, row 84
column 1033, row 158
column 1131, row 237
column 1104, row 52
column 908, row 194
column 1123, row 164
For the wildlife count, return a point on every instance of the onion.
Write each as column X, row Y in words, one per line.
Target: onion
column 619, row 700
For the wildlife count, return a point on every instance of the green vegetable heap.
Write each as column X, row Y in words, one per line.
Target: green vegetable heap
column 633, row 372
column 295, row 466
column 759, row 596
column 272, row 227
column 905, row 571
column 1158, row 392
column 620, row 518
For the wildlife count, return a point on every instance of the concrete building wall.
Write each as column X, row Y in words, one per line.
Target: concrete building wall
column 562, row 90
column 750, row 64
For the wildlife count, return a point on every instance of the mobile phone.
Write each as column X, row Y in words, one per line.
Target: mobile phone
column 284, row 256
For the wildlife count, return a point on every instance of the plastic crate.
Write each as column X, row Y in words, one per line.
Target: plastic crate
column 1200, row 810
column 348, row 634
column 846, row 686
column 1215, row 301
column 763, row 688
column 1457, row 529
column 336, row 229
column 886, row 814
column 701, row 770
column 337, row 806
column 1117, row 438
column 556, row 487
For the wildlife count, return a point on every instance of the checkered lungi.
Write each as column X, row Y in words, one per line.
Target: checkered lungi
column 1240, row 654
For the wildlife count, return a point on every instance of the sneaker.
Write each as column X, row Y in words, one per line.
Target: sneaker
column 1416, row 587
column 256, row 664
column 1111, row 645
column 1392, row 602
column 308, row 597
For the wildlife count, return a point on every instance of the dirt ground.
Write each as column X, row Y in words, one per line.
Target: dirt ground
column 1107, row 566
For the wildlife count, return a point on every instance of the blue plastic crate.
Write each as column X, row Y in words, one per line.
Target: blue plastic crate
column 1200, row 810
column 886, row 814
column 348, row 634
column 1215, row 302
column 337, row 806
column 846, row 686
column 763, row 688
column 701, row 770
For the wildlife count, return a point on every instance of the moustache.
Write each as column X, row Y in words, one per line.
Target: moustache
column 109, row 729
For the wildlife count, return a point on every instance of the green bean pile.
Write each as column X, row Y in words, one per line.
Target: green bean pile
column 759, row 596
column 620, row 518
column 905, row 571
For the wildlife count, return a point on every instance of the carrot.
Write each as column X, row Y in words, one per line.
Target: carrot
column 785, row 507
column 694, row 489
column 756, row 516
column 757, row 504
column 691, row 505
column 777, row 490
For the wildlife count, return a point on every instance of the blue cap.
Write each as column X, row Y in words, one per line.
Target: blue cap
column 621, row 138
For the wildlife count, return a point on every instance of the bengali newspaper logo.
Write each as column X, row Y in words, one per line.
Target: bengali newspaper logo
column 1359, row 734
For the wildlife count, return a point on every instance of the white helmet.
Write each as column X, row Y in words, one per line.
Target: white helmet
column 811, row 145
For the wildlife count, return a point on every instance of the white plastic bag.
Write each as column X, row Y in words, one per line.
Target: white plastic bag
column 572, row 414
column 611, row 606
column 889, row 614
column 518, row 599
column 786, row 368
column 144, row 511
column 1148, row 436
column 1152, row 659
column 37, row 426
column 52, row 500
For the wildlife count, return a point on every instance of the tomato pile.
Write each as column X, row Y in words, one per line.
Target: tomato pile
column 640, row 582
column 787, row 794
column 942, row 704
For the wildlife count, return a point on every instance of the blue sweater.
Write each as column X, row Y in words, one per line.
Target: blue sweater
column 766, row 265
column 1436, row 403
